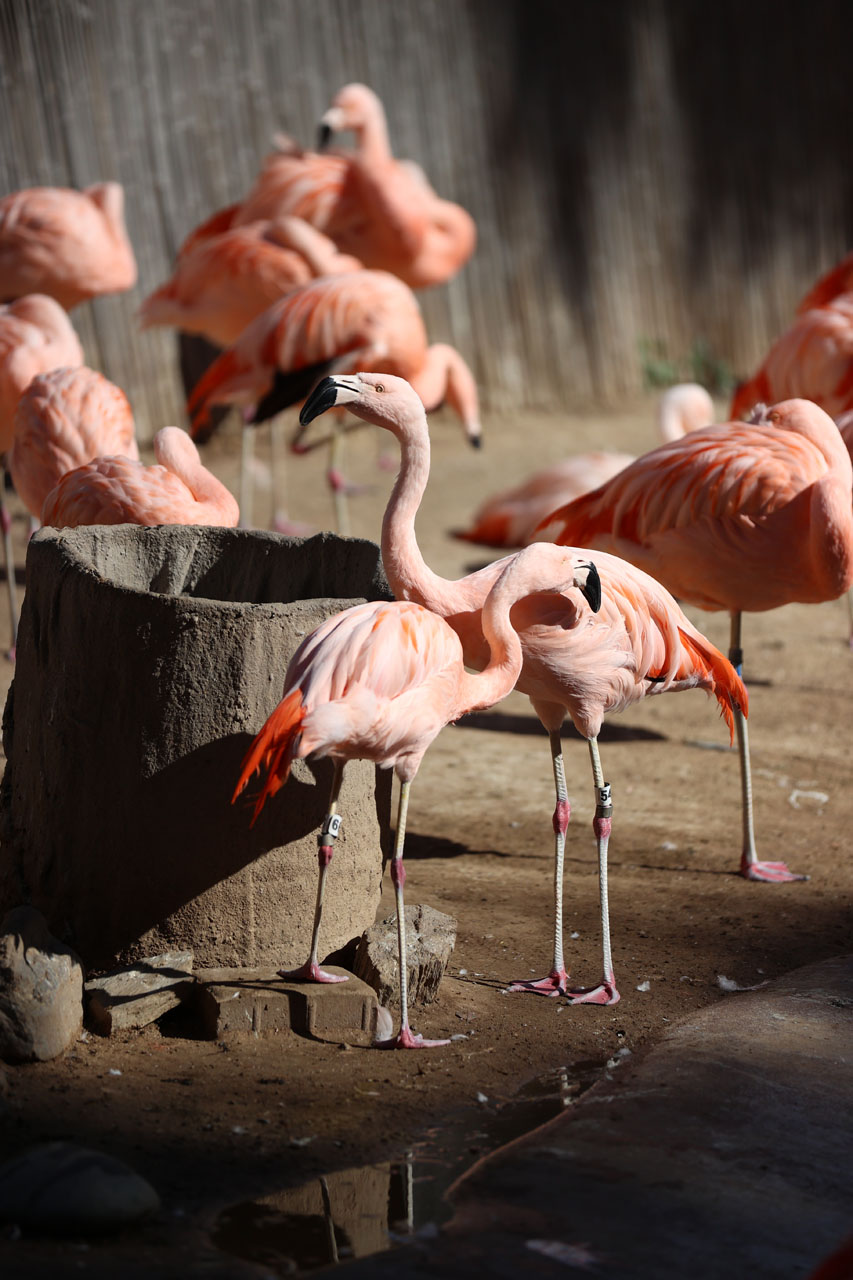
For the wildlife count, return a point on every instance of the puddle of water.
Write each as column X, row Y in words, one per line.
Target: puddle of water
column 357, row 1212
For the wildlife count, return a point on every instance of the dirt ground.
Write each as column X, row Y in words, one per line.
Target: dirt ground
column 213, row 1127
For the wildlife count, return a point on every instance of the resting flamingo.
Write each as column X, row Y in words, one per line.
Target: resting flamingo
column 381, row 210
column 364, row 319
column 379, row 682
column 178, row 489
column 69, row 244
column 35, row 335
column 812, row 359
column 64, row 419
column 744, row 517
column 513, row 518
column 640, row 643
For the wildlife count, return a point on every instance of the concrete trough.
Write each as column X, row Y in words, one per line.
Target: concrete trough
column 147, row 660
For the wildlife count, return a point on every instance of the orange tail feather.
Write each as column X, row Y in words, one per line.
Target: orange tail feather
column 203, row 394
column 578, row 523
column 490, row 531
column 273, row 750
column 728, row 688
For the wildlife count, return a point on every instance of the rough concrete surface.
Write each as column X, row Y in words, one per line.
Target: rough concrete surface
column 259, row 1002
column 147, row 660
column 140, row 994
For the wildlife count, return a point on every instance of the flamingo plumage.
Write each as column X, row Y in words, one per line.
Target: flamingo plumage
column 71, row 245
column 178, row 489
column 378, row 682
column 743, row 517
column 640, row 643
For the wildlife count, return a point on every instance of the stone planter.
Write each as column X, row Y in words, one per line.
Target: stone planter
column 147, row 660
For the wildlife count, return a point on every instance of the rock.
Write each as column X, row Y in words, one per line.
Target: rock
column 258, row 1001
column 41, row 990
column 149, row 658
column 60, row 1187
column 134, row 997
column 430, row 938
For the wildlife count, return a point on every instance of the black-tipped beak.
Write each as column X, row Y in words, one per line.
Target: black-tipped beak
column 323, row 397
column 476, row 442
column 324, row 136
column 592, row 590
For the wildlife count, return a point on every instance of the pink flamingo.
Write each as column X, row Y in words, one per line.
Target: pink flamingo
column 748, row 516
column 640, row 643
column 69, row 244
column 64, row 419
column 381, row 210
column 225, row 276
column 364, row 319
column 514, row 517
column 35, row 335
column 122, row 490
column 378, row 682
column 812, row 359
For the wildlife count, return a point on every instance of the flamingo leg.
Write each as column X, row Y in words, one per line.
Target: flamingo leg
column 405, row 1038
column 750, row 864
column 9, row 553
column 247, row 455
column 555, row 983
column 310, row 971
column 605, row 992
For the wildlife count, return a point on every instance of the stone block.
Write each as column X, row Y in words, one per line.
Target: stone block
column 430, row 939
column 41, row 990
column 147, row 660
column 136, row 996
column 240, row 1001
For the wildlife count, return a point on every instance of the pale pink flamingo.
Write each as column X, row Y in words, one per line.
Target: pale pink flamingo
column 35, row 335
column 64, row 419
column 812, row 359
column 178, row 489
column 513, row 518
column 379, row 682
column 69, row 244
column 364, row 319
column 381, row 210
column 744, row 517
column 640, row 643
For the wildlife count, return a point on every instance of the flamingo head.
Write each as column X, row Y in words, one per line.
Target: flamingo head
column 351, row 107
column 379, row 398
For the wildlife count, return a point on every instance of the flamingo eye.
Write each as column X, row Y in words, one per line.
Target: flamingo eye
column 379, row 386
column 773, row 416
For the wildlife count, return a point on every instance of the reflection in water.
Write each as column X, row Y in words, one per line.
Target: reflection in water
column 357, row 1212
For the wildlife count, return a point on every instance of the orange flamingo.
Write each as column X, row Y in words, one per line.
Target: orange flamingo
column 121, row 490
column 35, row 335
column 838, row 280
column 381, row 210
column 69, row 244
column 226, row 276
column 513, row 518
column 379, row 682
column 364, row 319
column 64, row 419
column 640, row 643
column 812, row 359
column 748, row 516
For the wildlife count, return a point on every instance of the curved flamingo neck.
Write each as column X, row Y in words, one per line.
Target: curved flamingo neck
column 409, row 576
column 371, row 131
column 174, row 450
column 446, row 378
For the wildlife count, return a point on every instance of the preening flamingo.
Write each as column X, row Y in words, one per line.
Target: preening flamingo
column 64, row 419
column 35, row 335
column 364, row 319
column 119, row 490
column 640, row 643
column 812, row 360
column 378, row 682
column 380, row 209
column 226, row 276
column 744, row 517
column 69, row 244
column 513, row 518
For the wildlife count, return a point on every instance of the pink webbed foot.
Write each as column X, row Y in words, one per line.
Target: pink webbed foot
column 309, row 972
column 604, row 993
column 553, row 985
column 406, row 1039
column 769, row 872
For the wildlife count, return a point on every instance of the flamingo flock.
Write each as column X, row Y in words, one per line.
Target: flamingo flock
column 306, row 289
